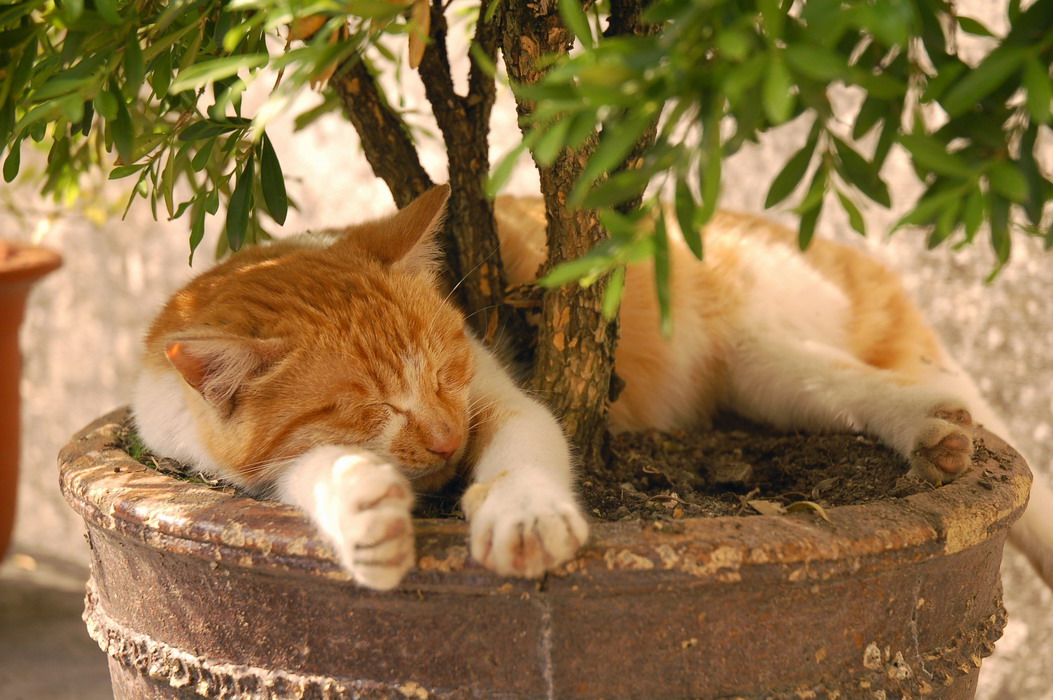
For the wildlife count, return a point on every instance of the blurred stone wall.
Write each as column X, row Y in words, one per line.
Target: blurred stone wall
column 81, row 337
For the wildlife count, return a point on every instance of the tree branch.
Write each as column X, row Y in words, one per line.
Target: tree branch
column 473, row 254
column 385, row 137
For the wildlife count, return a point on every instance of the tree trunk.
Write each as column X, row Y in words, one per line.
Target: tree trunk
column 575, row 349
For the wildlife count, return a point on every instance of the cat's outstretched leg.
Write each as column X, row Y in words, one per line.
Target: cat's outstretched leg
column 524, row 516
column 813, row 386
column 361, row 504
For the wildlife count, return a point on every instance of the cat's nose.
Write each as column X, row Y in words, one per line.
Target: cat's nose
column 445, row 443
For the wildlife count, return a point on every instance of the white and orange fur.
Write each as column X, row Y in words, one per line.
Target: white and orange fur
column 331, row 372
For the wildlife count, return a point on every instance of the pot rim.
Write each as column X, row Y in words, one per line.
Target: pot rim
column 111, row 490
column 25, row 262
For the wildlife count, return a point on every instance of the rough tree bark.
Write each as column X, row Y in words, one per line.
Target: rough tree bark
column 574, row 352
column 469, row 239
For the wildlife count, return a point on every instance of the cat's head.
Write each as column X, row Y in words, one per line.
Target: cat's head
column 294, row 347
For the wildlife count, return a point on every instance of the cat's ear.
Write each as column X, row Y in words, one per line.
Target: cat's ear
column 217, row 366
column 404, row 240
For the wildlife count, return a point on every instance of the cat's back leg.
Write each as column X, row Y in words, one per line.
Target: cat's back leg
column 795, row 362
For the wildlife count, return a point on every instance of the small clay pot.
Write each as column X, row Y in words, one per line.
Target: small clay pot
column 198, row 592
column 20, row 266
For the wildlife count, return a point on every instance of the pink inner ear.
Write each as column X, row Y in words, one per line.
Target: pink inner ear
column 192, row 367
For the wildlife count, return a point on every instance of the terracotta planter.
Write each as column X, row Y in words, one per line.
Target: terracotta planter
column 20, row 266
column 195, row 592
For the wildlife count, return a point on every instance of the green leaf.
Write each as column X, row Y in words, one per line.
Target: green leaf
column 161, row 74
column 1036, row 182
column 938, row 84
column 973, row 216
column 811, row 208
column 1001, row 242
column 816, row 62
column 662, row 273
column 1039, row 90
column 202, row 74
column 197, row 230
column 201, row 158
column 14, row 158
column 686, row 209
column 992, row 73
column 123, row 132
column 107, row 9
column 552, row 142
column 106, row 105
column 971, row 26
column 134, row 68
column 612, row 295
column 619, row 188
column 618, row 139
column 74, row 9
column 1007, row 180
column 576, row 21
column 123, row 171
column 855, row 217
column 776, row 95
column 857, row 171
column 793, row 172
column 273, row 183
column 240, row 205
column 7, row 121
column 502, row 172
column 710, row 174
column 870, row 113
column 932, row 155
column 928, row 206
column 208, row 128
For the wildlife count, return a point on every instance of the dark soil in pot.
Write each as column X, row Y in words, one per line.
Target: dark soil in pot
column 735, row 468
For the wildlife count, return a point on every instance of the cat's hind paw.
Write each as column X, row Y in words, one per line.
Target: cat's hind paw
column 944, row 444
column 367, row 517
column 526, row 539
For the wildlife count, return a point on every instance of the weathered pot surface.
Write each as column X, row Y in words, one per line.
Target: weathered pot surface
column 195, row 591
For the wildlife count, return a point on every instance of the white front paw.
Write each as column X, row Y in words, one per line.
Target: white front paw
column 943, row 446
column 526, row 535
column 365, row 511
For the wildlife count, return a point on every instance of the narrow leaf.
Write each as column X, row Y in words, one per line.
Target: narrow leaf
column 273, row 182
column 576, row 21
column 686, row 210
column 792, row 173
column 1008, row 181
column 240, row 205
column 776, row 94
column 1039, row 90
column 134, row 67
column 862, row 174
column 612, row 295
column 973, row 216
column 14, row 159
column 855, row 217
column 207, row 72
column 932, row 155
column 992, row 73
column 123, row 133
column 662, row 273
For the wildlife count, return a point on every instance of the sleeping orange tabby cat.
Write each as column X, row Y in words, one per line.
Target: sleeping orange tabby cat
column 331, row 372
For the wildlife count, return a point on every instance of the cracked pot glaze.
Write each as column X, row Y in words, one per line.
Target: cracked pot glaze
column 198, row 592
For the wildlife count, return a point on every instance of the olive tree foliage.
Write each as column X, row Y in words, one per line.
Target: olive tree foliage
column 620, row 101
